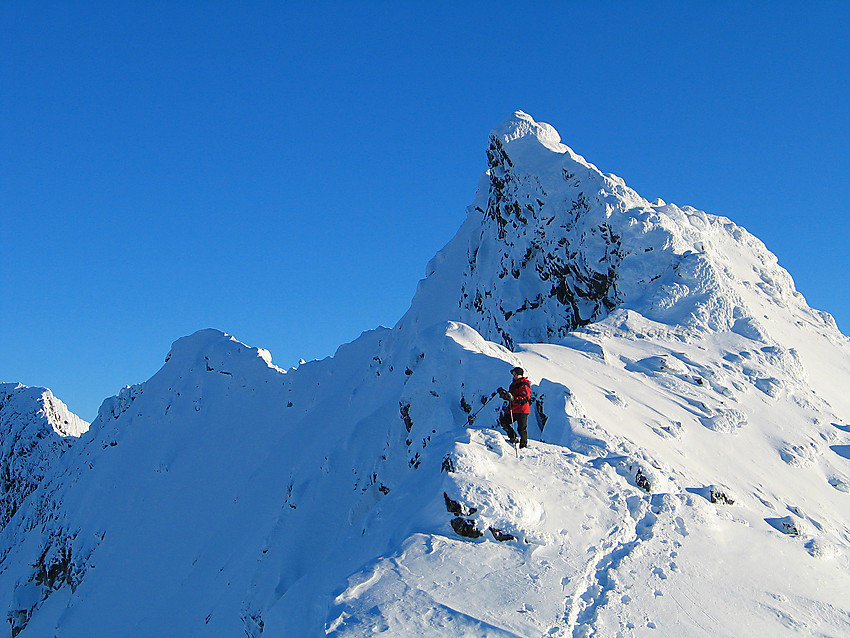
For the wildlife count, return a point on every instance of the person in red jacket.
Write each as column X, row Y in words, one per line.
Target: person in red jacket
column 518, row 397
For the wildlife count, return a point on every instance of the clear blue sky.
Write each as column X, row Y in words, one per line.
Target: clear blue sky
column 283, row 171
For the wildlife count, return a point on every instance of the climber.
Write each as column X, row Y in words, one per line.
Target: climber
column 516, row 412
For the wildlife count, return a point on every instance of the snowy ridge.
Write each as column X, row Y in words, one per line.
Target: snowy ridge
column 689, row 473
column 36, row 428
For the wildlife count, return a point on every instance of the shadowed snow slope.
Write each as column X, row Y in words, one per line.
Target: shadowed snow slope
column 35, row 429
column 688, row 473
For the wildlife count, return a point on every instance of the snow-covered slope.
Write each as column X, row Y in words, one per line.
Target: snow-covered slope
column 689, row 473
column 35, row 429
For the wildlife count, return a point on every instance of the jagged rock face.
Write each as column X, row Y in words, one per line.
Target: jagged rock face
column 35, row 429
column 535, row 268
column 551, row 244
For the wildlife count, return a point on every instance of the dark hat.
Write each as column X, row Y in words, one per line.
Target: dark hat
column 518, row 370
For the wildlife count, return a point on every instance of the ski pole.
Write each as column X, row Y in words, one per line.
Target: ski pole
column 516, row 437
column 472, row 416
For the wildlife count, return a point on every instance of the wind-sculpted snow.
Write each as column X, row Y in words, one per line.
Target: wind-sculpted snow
column 688, row 473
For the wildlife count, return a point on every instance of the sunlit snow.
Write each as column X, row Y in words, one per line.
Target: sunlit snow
column 688, row 474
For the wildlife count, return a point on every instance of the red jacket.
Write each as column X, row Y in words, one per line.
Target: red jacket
column 521, row 392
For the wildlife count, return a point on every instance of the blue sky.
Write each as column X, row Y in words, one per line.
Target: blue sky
column 284, row 171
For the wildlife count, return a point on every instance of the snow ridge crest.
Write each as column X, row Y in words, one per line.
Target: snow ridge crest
column 521, row 124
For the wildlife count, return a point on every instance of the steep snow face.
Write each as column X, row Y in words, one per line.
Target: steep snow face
column 551, row 244
column 35, row 429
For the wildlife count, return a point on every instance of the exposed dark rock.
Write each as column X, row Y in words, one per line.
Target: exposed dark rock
column 254, row 625
column 404, row 409
column 717, row 495
column 466, row 528
column 642, row 481
column 574, row 289
column 464, row 405
column 457, row 508
column 541, row 415
column 448, row 464
column 501, row 536
column 57, row 567
column 786, row 525
column 452, row 506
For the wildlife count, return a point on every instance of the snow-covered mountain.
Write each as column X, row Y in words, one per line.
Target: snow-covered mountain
column 689, row 473
column 36, row 428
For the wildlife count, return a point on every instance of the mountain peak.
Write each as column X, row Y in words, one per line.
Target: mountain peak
column 525, row 136
column 520, row 124
column 551, row 244
column 207, row 346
